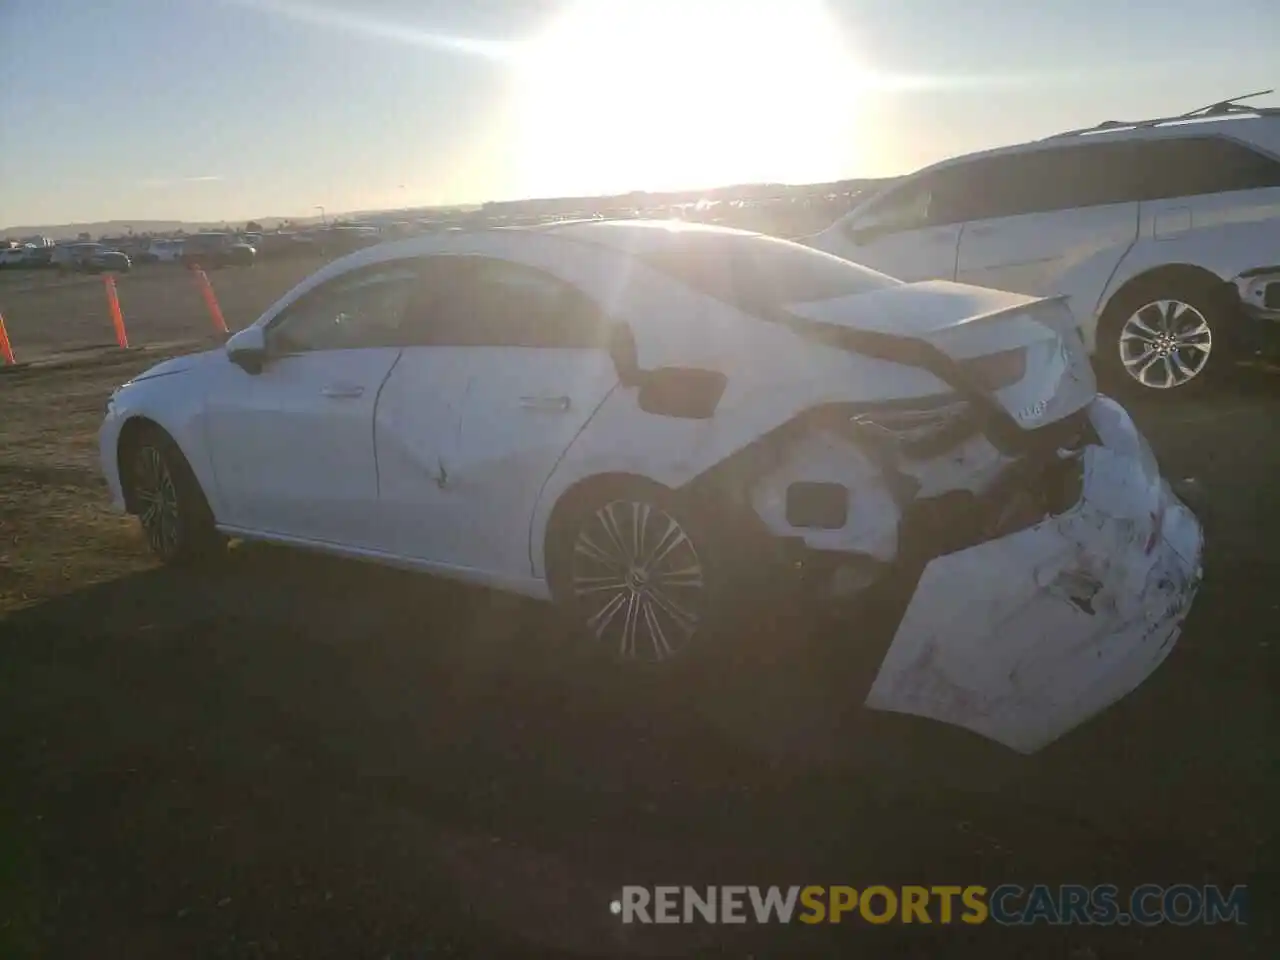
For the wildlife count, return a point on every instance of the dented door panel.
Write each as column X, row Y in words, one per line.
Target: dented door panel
column 1023, row 638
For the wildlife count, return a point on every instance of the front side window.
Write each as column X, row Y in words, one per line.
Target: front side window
column 363, row 308
column 942, row 197
column 903, row 208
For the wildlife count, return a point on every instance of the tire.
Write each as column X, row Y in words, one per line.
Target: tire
column 171, row 508
column 639, row 600
column 1166, row 336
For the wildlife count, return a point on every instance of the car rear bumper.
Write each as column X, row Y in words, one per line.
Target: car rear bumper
column 1022, row 638
column 1259, row 293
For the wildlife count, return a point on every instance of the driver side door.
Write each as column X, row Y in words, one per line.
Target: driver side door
column 292, row 444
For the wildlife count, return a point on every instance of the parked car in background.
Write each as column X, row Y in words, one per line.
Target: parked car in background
column 341, row 240
column 271, row 245
column 110, row 261
column 14, row 256
column 131, row 246
column 73, row 256
column 646, row 423
column 214, row 250
column 162, row 250
column 90, row 258
column 1144, row 226
column 38, row 258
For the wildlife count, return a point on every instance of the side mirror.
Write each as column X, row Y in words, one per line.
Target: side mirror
column 248, row 349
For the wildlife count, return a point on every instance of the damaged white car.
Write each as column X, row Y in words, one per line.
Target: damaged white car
column 634, row 419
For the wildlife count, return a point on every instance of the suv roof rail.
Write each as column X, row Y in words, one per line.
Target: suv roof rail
column 1222, row 108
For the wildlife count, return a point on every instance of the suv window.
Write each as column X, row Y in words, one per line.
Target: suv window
column 362, row 308
column 1201, row 165
column 938, row 198
column 467, row 301
column 903, row 208
column 758, row 273
column 1040, row 181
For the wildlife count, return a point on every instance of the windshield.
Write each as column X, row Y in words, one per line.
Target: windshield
column 756, row 272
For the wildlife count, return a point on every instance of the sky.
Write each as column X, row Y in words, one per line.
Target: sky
column 230, row 109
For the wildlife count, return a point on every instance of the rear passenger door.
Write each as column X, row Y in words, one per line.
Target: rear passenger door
column 1205, row 184
column 515, row 361
column 1033, row 217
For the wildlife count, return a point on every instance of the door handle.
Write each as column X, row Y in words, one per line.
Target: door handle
column 342, row 391
column 545, row 403
column 981, row 231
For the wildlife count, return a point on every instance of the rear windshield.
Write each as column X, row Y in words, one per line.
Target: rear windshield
column 756, row 272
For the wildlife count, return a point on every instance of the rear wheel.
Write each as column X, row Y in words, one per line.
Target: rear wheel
column 1161, row 337
column 167, row 498
column 638, row 572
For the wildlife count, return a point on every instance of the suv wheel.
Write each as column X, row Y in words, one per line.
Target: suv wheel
column 1162, row 337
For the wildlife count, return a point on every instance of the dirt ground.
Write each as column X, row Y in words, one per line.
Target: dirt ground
column 285, row 756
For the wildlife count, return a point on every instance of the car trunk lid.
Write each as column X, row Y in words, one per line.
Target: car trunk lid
column 1022, row 354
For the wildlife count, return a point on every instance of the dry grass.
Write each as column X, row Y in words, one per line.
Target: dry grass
column 57, row 529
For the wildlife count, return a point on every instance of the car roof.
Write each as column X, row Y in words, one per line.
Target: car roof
column 1242, row 128
column 1258, row 130
column 633, row 235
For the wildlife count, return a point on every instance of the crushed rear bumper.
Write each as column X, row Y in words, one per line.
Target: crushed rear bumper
column 1024, row 637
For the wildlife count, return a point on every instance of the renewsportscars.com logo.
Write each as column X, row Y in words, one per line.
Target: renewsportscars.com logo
column 1008, row 905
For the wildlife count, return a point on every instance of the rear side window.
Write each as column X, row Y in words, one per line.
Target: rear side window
column 472, row 301
column 757, row 273
column 1040, row 181
column 1201, row 165
column 1096, row 174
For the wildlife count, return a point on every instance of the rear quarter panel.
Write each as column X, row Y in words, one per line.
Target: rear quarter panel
column 781, row 378
column 1225, row 233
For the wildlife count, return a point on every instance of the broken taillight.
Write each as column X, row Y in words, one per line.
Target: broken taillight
column 996, row 371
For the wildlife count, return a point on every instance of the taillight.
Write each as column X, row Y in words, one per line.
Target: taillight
column 998, row 370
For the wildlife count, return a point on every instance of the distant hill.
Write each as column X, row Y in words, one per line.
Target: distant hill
column 70, row 231
column 640, row 199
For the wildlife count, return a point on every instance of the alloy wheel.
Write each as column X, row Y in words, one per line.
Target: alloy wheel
column 157, row 496
column 639, row 581
column 1165, row 344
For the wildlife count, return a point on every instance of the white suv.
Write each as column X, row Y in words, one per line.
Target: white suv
column 1163, row 235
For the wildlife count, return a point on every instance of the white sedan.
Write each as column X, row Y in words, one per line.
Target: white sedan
column 635, row 419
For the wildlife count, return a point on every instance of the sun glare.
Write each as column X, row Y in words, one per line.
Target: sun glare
column 672, row 94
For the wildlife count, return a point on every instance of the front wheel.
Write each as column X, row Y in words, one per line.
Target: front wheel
column 170, row 505
column 638, row 573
